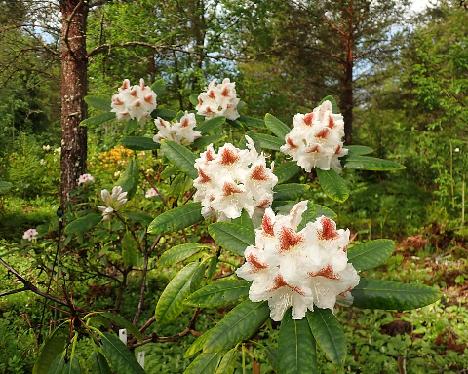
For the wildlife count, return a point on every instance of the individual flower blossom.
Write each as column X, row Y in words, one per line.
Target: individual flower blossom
column 316, row 139
column 233, row 179
column 181, row 132
column 46, row 148
column 150, row 193
column 113, row 201
column 295, row 268
column 133, row 102
column 42, row 162
column 85, row 179
column 219, row 100
column 30, row 235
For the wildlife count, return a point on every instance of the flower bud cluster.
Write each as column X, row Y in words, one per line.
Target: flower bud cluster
column 295, row 268
column 233, row 179
column 181, row 132
column 316, row 139
column 133, row 102
column 219, row 100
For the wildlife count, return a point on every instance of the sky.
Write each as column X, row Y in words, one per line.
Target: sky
column 419, row 5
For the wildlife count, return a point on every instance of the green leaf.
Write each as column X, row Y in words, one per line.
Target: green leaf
column 276, row 126
column 98, row 364
column 193, row 98
column 171, row 301
column 236, row 326
column 71, row 367
column 251, row 122
column 139, row 143
column 129, row 250
column 333, row 185
column 219, row 294
column 244, row 220
column 234, row 238
column 5, row 187
column 181, row 157
column 98, row 119
column 335, row 108
column 365, row 256
column 289, row 191
column 120, row 358
column 227, row 364
column 83, row 224
column 198, row 344
column 159, row 87
column 205, row 363
column 266, row 141
column 176, row 219
column 122, row 322
column 328, row 333
column 164, row 113
column 313, row 212
column 286, row 171
column 181, row 252
column 52, row 348
column 358, row 150
column 129, row 178
column 99, row 102
column 296, row 347
column 205, row 140
column 390, row 295
column 211, row 124
column 371, row 163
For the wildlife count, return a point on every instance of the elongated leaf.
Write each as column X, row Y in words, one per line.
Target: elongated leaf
column 227, row 364
column 98, row 119
column 121, row 322
column 358, row 150
column 164, row 113
column 365, row 256
column 371, row 163
column 176, row 219
column 286, row 171
column 204, row 141
column 219, row 294
column 276, row 126
column 205, row 363
column 99, row 364
column 171, row 302
column 333, row 185
column 211, row 124
column 51, row 350
column 266, row 141
column 198, row 344
column 244, row 220
column 181, row 252
column 313, row 212
column 234, row 238
column 129, row 178
column 120, row 358
column 99, row 102
column 193, row 98
column 289, row 191
column 237, row 325
column 335, row 108
column 129, row 250
column 328, row 333
column 159, row 87
column 251, row 122
column 83, row 224
column 139, row 143
column 71, row 367
column 181, row 157
column 296, row 347
column 391, row 295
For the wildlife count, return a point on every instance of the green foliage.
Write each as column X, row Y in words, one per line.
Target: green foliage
column 220, row 293
column 139, row 143
column 181, row 157
column 120, row 359
column 333, row 185
column 180, row 253
column 52, row 349
column 276, row 126
column 231, row 236
column 176, row 219
column 365, row 256
column 129, row 179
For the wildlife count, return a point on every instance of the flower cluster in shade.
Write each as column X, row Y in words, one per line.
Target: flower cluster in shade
column 151, row 192
column 113, row 201
column 30, row 235
column 133, row 101
column 316, row 139
column 298, row 269
column 219, row 100
column 85, row 179
column 181, row 132
column 233, row 179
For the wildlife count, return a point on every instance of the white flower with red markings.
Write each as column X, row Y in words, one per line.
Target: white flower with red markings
column 30, row 235
column 219, row 100
column 113, row 201
column 85, row 179
column 233, row 179
column 298, row 269
column 316, row 139
column 181, row 132
column 133, row 102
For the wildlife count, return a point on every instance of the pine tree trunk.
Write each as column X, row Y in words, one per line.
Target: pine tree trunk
column 74, row 86
column 347, row 102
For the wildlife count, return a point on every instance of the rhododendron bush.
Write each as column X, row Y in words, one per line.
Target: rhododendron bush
column 229, row 203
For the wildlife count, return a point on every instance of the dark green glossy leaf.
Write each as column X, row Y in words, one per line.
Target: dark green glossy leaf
column 251, row 122
column 358, row 150
column 276, row 126
column 159, row 87
column 371, row 163
column 181, row 252
column 176, row 219
column 129, row 250
column 365, row 256
column 266, row 141
column 51, row 350
column 122, row 322
column 98, row 119
column 117, row 353
column 99, row 102
column 198, row 344
column 205, row 363
column 181, row 157
column 139, row 143
column 333, row 185
column 211, row 124
column 83, row 224
column 193, row 98
column 289, row 191
column 286, row 171
column 98, row 364
column 219, row 294
column 244, row 220
column 234, row 238
column 164, row 113
column 313, row 212
column 227, row 365
column 129, row 178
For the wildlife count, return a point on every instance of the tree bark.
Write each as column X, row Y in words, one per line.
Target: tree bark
column 73, row 88
column 347, row 101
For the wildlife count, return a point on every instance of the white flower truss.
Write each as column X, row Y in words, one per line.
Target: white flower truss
column 316, row 139
column 133, row 102
column 181, row 132
column 30, row 235
column 150, row 193
column 85, row 179
column 233, row 179
column 113, row 201
column 299, row 269
column 219, row 100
